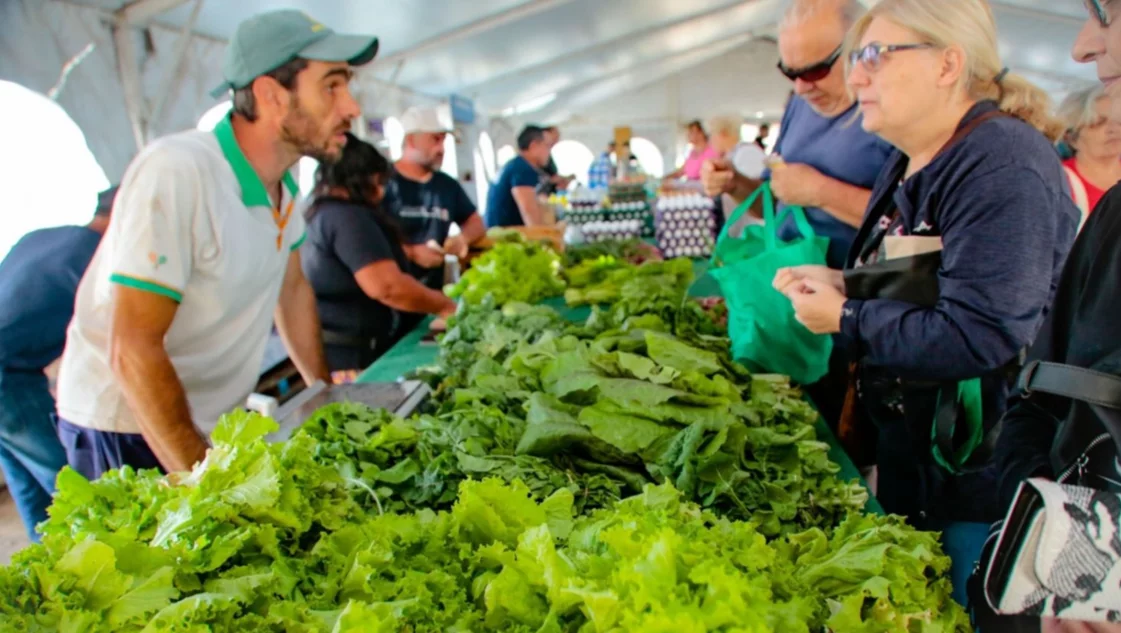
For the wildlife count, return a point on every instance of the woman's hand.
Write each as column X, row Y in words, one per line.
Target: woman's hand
column 425, row 255
column 788, row 278
column 817, row 305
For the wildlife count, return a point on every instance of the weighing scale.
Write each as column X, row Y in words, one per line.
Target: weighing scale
column 400, row 398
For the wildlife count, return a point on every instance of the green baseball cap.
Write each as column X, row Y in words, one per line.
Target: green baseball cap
column 269, row 40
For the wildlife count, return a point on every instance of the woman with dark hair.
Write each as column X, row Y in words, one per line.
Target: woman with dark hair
column 355, row 258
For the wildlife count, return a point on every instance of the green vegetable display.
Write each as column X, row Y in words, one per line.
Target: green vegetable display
column 261, row 538
column 515, row 269
column 621, row 474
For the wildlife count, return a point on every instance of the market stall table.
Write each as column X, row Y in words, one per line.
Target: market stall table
column 417, row 349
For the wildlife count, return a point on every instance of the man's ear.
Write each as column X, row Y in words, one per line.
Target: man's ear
column 270, row 95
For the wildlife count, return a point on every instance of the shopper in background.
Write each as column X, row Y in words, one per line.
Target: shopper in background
column 602, row 169
column 829, row 162
column 38, row 281
column 761, row 138
column 426, row 201
column 1095, row 140
column 356, row 257
column 512, row 201
column 746, row 158
column 976, row 180
column 699, row 151
column 552, row 181
column 173, row 316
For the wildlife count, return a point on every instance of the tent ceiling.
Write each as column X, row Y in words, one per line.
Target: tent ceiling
column 557, row 46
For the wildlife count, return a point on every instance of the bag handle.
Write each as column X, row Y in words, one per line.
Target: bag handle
column 800, row 220
column 1069, row 381
column 957, row 401
column 763, row 190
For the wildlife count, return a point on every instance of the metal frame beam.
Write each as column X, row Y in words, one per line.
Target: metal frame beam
column 142, row 11
column 625, row 38
column 700, row 55
column 493, row 21
column 1038, row 14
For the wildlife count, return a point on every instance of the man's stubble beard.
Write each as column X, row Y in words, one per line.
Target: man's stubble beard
column 298, row 132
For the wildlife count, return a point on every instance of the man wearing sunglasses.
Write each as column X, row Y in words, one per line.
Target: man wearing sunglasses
column 828, row 162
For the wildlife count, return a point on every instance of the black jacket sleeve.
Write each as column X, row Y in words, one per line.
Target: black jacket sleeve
column 1083, row 328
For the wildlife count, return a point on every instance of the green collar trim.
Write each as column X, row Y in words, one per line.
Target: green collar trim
column 253, row 192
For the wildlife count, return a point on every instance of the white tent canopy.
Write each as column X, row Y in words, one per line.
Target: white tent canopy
column 587, row 65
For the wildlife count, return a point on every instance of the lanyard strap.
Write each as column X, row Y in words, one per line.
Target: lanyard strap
column 281, row 221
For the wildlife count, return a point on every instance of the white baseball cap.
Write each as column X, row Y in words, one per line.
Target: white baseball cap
column 421, row 120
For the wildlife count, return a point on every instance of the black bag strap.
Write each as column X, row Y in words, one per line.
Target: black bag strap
column 1069, row 381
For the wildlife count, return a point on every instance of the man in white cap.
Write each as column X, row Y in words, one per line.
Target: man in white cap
column 427, row 201
column 172, row 317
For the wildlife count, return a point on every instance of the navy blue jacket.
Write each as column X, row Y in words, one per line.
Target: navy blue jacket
column 1001, row 204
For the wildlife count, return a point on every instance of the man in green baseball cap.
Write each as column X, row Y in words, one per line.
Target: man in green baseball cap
column 202, row 257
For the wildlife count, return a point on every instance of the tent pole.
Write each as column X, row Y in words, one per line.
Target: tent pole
column 129, row 70
column 141, row 11
column 179, row 69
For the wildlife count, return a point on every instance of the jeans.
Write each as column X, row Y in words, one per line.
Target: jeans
column 30, row 452
column 94, row 453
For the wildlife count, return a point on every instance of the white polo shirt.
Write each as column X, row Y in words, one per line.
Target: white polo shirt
column 193, row 222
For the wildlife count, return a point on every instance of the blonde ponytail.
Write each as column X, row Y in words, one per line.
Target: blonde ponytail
column 1026, row 101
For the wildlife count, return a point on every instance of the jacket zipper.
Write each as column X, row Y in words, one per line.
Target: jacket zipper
column 1083, row 460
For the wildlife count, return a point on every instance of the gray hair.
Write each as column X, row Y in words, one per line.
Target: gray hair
column 1079, row 109
column 726, row 124
column 798, row 11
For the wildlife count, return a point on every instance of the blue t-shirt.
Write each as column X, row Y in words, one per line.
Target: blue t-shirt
column 837, row 147
column 38, row 281
column 502, row 209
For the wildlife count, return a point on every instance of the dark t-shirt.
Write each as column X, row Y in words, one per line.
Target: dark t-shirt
column 547, row 186
column 38, row 281
column 837, row 147
column 342, row 238
column 426, row 210
column 502, row 209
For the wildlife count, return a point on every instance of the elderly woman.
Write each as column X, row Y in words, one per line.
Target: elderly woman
column 700, row 150
column 973, row 204
column 1095, row 138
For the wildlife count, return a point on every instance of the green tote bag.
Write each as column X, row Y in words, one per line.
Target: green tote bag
column 765, row 335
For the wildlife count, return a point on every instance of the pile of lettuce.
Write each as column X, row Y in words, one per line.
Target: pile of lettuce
column 262, row 538
column 515, row 269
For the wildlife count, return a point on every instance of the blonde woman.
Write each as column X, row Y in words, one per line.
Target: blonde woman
column 746, row 158
column 973, row 202
column 1095, row 137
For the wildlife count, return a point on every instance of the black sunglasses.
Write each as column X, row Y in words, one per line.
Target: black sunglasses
column 813, row 73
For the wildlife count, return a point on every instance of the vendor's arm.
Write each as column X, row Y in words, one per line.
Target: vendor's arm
column 471, row 227
column 385, row 282
column 156, row 234
column 996, row 278
column 140, row 362
column 297, row 321
column 363, row 246
column 526, row 199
